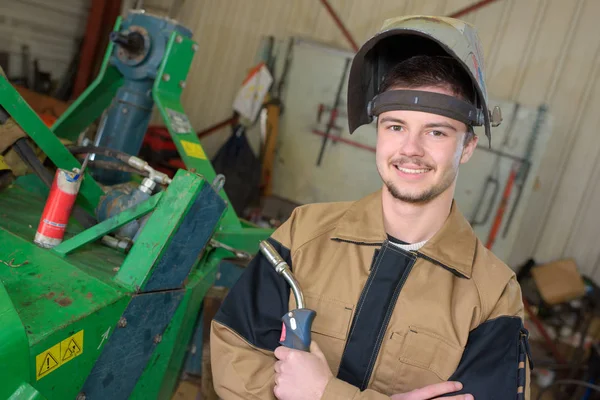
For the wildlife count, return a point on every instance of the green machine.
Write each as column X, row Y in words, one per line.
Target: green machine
column 89, row 318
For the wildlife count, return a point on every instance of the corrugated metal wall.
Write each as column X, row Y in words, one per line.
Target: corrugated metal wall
column 536, row 51
column 51, row 29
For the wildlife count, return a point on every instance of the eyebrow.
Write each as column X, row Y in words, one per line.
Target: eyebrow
column 430, row 125
column 440, row 125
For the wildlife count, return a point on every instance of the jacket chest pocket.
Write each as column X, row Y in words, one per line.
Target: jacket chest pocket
column 420, row 358
column 330, row 326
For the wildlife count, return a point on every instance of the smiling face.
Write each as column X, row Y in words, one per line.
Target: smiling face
column 418, row 153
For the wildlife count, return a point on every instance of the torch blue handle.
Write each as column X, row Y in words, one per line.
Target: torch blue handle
column 297, row 329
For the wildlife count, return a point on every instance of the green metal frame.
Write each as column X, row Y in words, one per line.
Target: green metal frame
column 167, row 91
column 97, row 282
column 93, row 101
column 151, row 242
column 50, row 144
column 104, row 228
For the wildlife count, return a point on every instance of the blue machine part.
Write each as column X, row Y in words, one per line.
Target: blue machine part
column 227, row 276
column 190, row 239
column 117, row 200
column 129, row 348
column 138, row 53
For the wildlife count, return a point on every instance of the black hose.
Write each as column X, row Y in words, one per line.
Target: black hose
column 26, row 153
column 115, row 166
column 569, row 382
column 105, row 151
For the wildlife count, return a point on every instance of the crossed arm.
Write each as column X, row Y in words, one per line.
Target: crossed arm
column 248, row 362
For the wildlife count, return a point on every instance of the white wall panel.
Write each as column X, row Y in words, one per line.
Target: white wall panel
column 51, row 29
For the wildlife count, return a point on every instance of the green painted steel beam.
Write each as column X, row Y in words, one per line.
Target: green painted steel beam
column 93, row 101
column 246, row 239
column 13, row 347
column 167, row 215
column 49, row 292
column 164, row 368
column 168, row 87
column 107, row 226
column 30, row 122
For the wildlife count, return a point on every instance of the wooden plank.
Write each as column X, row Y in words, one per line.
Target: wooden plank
column 41, row 103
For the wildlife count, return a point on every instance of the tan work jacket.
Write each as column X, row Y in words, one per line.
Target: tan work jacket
column 388, row 320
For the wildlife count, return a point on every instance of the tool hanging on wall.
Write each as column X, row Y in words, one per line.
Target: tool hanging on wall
column 271, row 113
column 525, row 167
column 517, row 177
column 492, row 181
column 334, row 110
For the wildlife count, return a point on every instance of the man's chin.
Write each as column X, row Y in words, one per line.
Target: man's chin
column 414, row 197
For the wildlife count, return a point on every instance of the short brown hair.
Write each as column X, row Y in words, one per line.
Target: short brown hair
column 437, row 71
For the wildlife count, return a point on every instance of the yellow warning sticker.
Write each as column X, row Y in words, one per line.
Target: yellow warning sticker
column 47, row 361
column 71, row 347
column 59, row 354
column 193, row 149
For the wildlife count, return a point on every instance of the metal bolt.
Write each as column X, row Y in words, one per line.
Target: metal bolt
column 81, row 396
column 116, row 269
column 179, row 39
column 157, row 338
column 192, row 169
column 125, row 110
column 166, row 77
column 195, row 47
column 122, row 322
column 182, row 84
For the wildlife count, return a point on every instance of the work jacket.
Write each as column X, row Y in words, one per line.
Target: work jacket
column 388, row 320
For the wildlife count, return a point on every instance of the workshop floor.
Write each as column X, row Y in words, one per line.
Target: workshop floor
column 187, row 391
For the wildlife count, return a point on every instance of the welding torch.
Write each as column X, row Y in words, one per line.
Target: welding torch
column 296, row 323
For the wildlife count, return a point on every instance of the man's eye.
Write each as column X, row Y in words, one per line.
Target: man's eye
column 397, row 128
column 437, row 133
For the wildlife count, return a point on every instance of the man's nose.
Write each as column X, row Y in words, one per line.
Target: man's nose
column 412, row 145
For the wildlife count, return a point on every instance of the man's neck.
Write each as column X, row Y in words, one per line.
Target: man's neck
column 413, row 223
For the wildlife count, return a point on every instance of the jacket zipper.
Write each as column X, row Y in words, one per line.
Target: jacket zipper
column 389, row 316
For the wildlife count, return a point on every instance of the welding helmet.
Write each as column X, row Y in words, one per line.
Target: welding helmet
column 405, row 37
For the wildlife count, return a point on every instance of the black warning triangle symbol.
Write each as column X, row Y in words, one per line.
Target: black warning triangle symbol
column 71, row 351
column 48, row 365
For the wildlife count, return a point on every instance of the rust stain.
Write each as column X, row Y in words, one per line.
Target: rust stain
column 49, row 295
column 63, row 301
column 89, row 295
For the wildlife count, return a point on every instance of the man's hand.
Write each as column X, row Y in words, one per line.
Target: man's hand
column 300, row 375
column 431, row 391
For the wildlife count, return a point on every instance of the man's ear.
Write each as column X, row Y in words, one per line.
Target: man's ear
column 469, row 147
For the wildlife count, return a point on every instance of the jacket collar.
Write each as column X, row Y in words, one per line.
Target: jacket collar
column 452, row 247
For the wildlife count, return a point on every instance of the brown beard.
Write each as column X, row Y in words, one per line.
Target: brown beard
column 421, row 198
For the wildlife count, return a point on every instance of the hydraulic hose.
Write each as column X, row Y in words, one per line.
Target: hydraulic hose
column 115, row 166
column 105, row 151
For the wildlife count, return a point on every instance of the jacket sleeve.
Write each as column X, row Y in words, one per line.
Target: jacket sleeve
column 246, row 330
column 496, row 360
column 338, row 389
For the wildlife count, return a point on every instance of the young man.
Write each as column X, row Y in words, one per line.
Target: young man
column 409, row 303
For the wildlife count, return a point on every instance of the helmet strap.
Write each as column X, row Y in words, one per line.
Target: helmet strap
column 430, row 102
